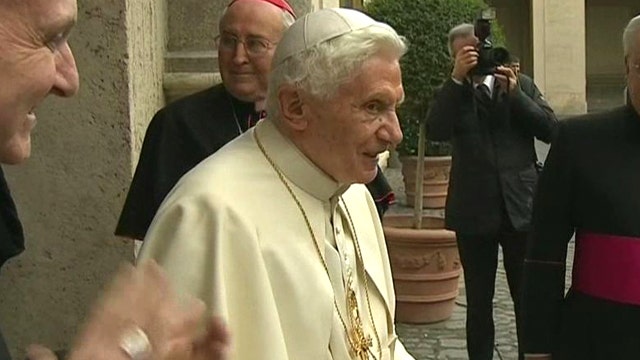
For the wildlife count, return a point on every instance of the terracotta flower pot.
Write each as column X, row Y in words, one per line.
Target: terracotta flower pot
column 435, row 181
column 425, row 266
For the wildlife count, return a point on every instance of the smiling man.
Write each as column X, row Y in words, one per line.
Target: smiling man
column 296, row 262
column 35, row 62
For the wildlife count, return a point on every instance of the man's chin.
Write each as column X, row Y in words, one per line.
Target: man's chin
column 16, row 154
column 247, row 92
column 367, row 176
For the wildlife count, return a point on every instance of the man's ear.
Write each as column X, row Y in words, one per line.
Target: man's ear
column 626, row 65
column 292, row 107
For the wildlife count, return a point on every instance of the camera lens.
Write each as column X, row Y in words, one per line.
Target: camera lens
column 499, row 56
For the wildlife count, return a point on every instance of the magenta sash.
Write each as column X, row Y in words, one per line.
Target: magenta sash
column 608, row 267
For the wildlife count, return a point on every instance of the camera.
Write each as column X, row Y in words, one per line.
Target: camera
column 489, row 57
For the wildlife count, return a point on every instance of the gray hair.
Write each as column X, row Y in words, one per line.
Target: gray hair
column 287, row 18
column 322, row 69
column 459, row 31
column 631, row 32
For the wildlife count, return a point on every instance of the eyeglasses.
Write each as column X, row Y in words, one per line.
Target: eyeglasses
column 254, row 46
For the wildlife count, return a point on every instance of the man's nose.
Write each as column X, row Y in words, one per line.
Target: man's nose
column 391, row 132
column 240, row 55
column 67, row 80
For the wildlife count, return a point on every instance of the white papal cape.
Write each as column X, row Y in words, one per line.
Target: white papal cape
column 231, row 234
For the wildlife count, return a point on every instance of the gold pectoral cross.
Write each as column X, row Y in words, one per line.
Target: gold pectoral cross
column 360, row 342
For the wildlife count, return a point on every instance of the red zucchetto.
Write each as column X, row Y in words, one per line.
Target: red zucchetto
column 282, row 4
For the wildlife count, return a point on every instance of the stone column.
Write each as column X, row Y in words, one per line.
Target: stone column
column 321, row 4
column 559, row 53
column 71, row 192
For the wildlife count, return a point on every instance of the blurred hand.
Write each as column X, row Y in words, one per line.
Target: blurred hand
column 141, row 297
column 507, row 79
column 214, row 345
column 465, row 60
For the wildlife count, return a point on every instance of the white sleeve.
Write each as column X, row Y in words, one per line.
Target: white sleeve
column 209, row 252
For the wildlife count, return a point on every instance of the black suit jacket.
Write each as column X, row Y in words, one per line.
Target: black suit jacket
column 179, row 136
column 11, row 234
column 493, row 167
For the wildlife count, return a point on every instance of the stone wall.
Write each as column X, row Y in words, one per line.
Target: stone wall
column 147, row 40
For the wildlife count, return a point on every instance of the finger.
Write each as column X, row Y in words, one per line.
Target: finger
column 500, row 77
column 471, row 60
column 153, row 274
column 175, row 324
column 155, row 286
column 469, row 48
column 506, row 71
column 122, row 281
column 117, row 294
column 186, row 320
column 213, row 345
column 218, row 329
column 216, row 344
column 465, row 51
column 470, row 55
column 179, row 350
column 218, row 352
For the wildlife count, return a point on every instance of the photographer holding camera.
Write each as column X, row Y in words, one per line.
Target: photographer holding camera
column 491, row 124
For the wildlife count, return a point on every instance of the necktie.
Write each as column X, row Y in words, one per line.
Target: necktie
column 484, row 92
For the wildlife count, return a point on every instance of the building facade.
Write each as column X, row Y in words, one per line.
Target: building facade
column 572, row 48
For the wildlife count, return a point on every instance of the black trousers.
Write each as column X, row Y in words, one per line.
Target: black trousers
column 479, row 257
column 4, row 352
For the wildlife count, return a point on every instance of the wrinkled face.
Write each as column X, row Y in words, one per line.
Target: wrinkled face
column 347, row 132
column 245, row 75
column 633, row 72
column 35, row 61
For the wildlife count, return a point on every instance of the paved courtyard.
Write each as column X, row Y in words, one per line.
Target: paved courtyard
column 446, row 340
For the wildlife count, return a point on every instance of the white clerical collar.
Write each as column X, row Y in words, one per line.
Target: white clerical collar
column 295, row 165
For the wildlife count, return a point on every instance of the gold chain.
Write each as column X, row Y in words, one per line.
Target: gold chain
column 358, row 350
column 364, row 276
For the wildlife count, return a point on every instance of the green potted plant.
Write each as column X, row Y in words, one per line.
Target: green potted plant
column 424, row 256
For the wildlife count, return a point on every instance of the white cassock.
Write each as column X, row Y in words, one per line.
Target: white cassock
column 231, row 234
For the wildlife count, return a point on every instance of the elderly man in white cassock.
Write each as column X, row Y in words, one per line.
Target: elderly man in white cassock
column 308, row 278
